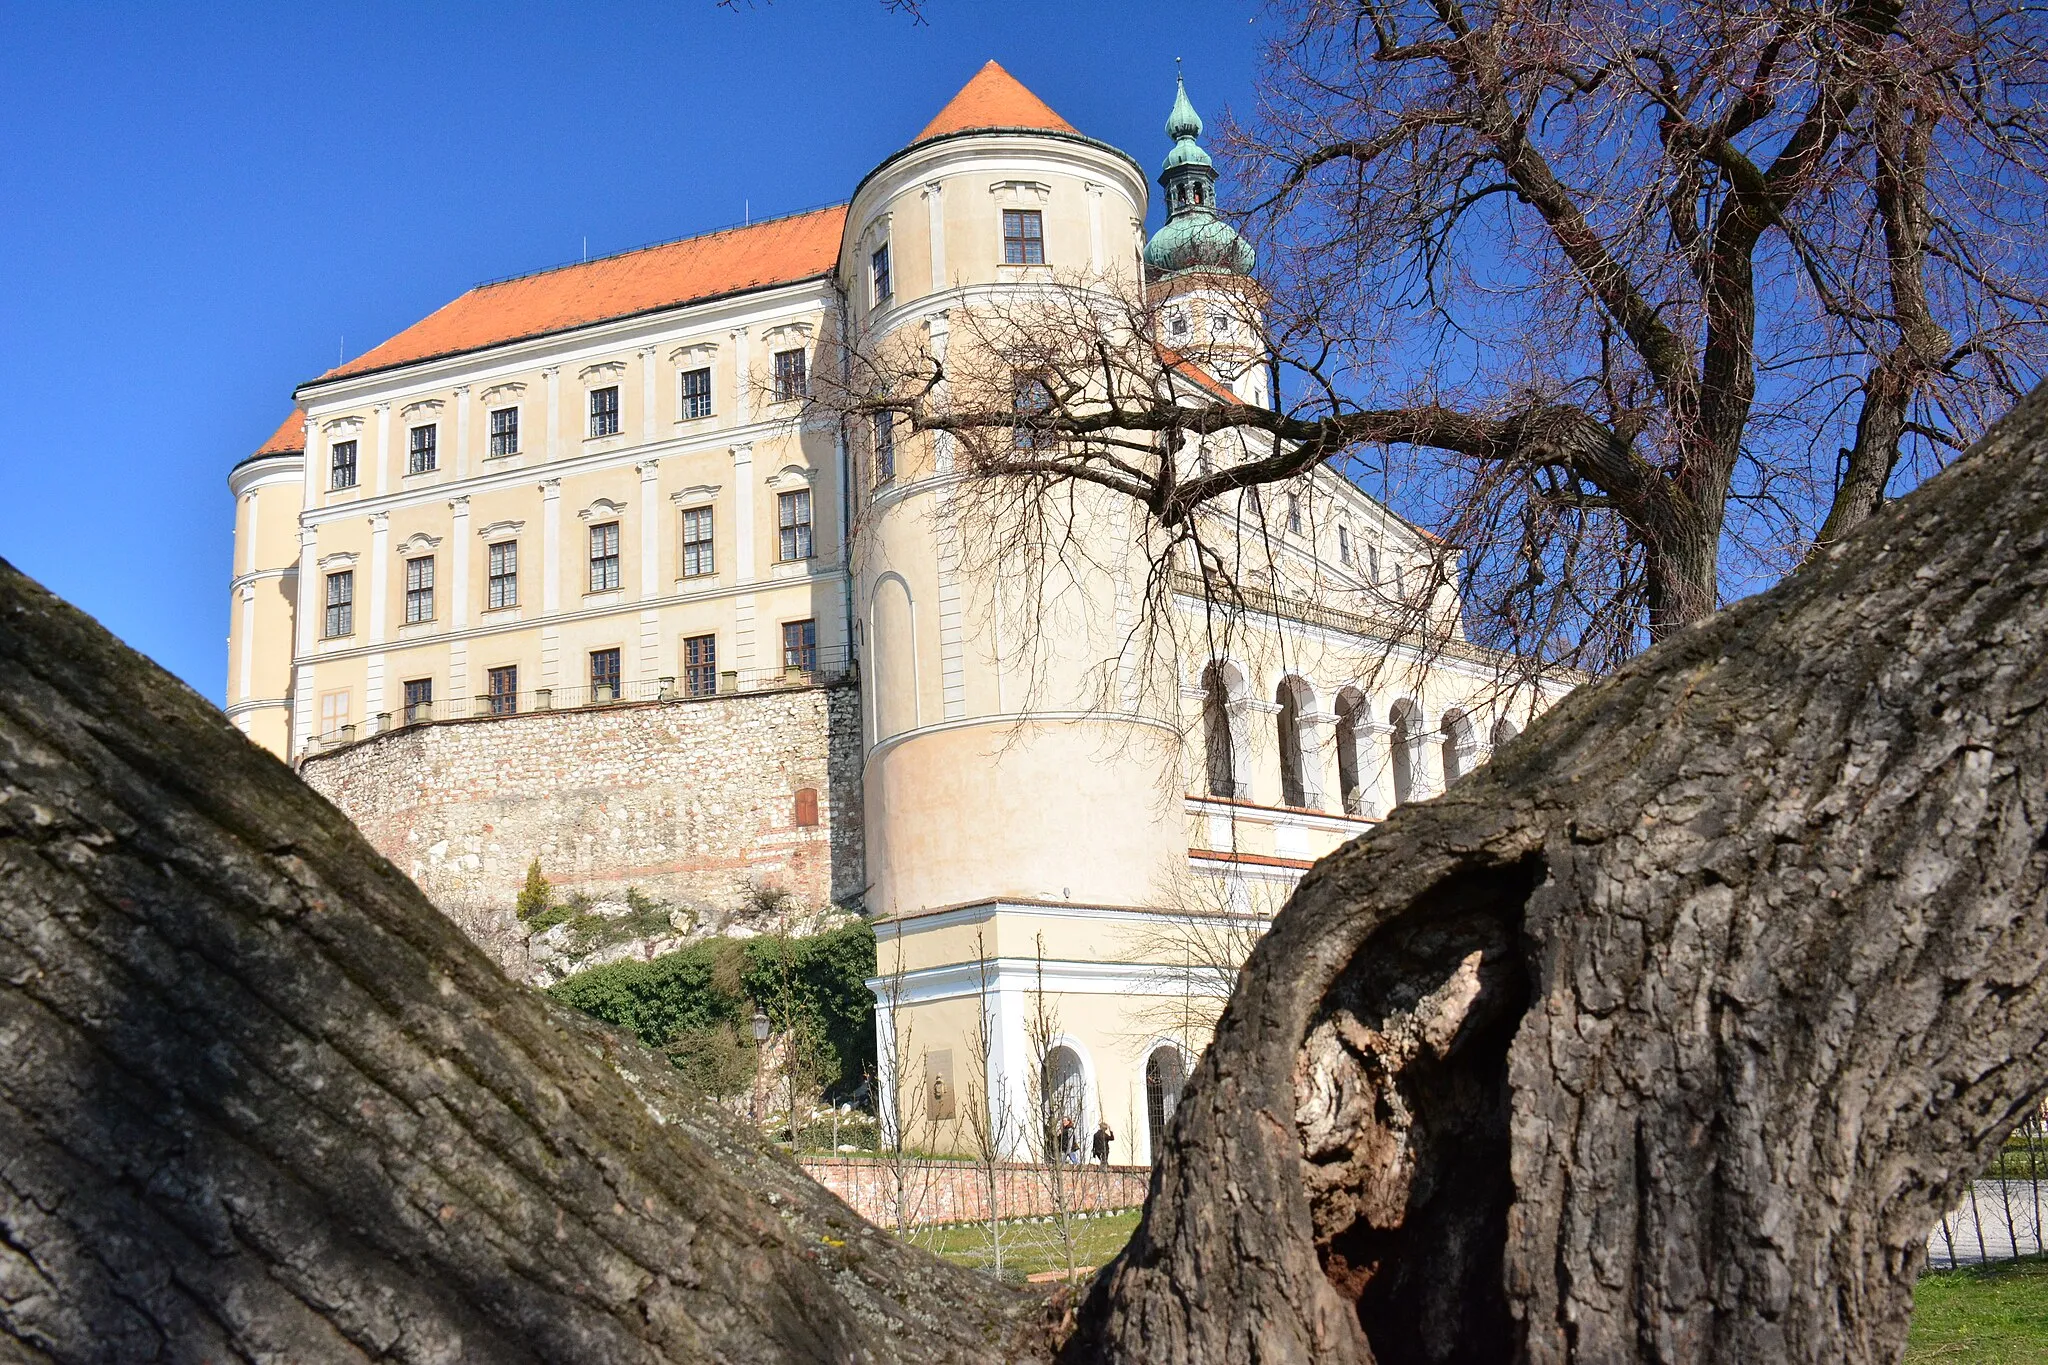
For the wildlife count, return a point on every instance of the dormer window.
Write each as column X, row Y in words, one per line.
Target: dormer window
column 1023, row 237
column 878, row 268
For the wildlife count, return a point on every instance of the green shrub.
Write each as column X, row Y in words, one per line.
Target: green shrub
column 718, row 1060
column 536, row 897
column 817, row 982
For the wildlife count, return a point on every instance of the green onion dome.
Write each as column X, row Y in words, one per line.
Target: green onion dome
column 1193, row 236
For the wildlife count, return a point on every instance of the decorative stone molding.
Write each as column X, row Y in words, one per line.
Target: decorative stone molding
column 502, row 395
column 791, row 476
column 498, row 530
column 604, row 373
column 789, row 336
column 1021, row 192
column 415, row 543
column 604, row 509
column 697, row 493
column 422, row 412
column 697, row 355
column 459, row 505
column 647, row 469
column 336, row 426
column 1252, row 706
column 340, row 559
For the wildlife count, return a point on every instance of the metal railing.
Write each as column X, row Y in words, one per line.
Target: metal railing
column 2000, row 1217
column 825, row 665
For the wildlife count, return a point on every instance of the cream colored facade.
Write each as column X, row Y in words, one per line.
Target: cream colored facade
column 1044, row 824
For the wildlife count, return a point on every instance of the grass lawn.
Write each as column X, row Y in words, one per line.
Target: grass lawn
column 1029, row 1247
column 1994, row 1315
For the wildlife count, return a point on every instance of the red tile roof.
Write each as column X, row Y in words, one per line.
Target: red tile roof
column 779, row 251
column 288, row 439
column 993, row 99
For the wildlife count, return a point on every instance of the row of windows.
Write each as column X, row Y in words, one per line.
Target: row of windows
column 502, row 578
column 1023, row 244
column 699, row 677
column 423, row 442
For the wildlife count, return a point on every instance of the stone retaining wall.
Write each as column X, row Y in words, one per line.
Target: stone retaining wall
column 957, row 1191
column 694, row 802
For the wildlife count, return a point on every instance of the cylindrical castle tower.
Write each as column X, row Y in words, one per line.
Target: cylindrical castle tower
column 269, row 491
column 1006, row 759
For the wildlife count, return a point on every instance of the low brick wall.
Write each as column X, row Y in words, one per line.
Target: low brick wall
column 957, row 1191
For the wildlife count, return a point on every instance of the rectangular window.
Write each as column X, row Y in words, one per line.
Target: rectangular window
column 503, row 589
column 696, row 393
column 700, row 665
column 419, row 700
column 1344, row 544
column 1023, row 237
column 1294, row 514
column 791, row 382
column 1032, row 404
column 422, row 453
column 697, row 547
column 604, row 557
column 604, row 675
column 879, row 265
column 504, row 431
column 793, row 512
column 341, row 465
column 1372, row 560
column 800, row 646
column 604, row 411
column 419, row 589
column 333, row 713
column 341, row 604
column 504, row 685
column 885, row 446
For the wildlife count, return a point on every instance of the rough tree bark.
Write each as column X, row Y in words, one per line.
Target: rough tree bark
column 259, row 1101
column 1668, row 1035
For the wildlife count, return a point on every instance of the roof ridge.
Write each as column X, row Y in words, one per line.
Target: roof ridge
column 666, row 241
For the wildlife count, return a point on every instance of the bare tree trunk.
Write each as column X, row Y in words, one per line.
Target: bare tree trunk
column 260, row 1101
column 1670, row 1034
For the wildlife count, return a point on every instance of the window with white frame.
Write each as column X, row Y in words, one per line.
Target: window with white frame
column 604, row 557
column 800, row 646
column 422, row 455
column 1294, row 514
column 504, row 690
column 333, row 713
column 419, row 589
column 696, row 400
column 885, row 447
column 791, row 379
column 604, row 411
column 878, row 271
column 502, row 585
column 698, row 548
column 1344, row 544
column 504, row 431
column 341, row 465
column 793, row 515
column 341, row 604
column 1023, row 237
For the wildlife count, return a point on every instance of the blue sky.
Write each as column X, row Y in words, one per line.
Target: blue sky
column 205, row 204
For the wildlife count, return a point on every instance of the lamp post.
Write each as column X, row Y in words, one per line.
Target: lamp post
column 760, row 1044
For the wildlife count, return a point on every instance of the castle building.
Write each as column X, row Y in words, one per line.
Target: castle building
column 573, row 569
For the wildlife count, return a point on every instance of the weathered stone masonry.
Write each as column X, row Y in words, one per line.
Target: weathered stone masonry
column 692, row 801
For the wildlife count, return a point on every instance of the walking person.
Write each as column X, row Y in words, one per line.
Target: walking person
column 1069, row 1142
column 1099, row 1145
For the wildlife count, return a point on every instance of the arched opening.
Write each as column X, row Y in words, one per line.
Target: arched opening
column 892, row 660
column 1293, row 792
column 1350, row 715
column 1503, row 731
column 1461, row 746
column 1166, row 1074
column 1065, row 1096
column 1218, row 752
column 1406, row 718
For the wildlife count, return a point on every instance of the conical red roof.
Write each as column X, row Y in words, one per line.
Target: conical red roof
column 994, row 99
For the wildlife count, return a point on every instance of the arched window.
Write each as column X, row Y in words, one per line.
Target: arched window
column 1293, row 791
column 1460, row 748
column 1406, row 720
column 1166, row 1075
column 1065, row 1094
column 1350, row 714
column 1217, row 751
column 1503, row 731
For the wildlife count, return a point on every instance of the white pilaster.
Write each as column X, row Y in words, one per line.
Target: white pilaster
column 380, row 549
column 383, row 456
column 553, row 375
column 1314, row 729
column 742, row 397
column 649, row 549
column 255, row 505
column 743, row 513
column 935, row 221
column 458, row 554
column 646, row 393
column 462, row 431
column 550, row 545
column 1094, row 228
column 247, row 660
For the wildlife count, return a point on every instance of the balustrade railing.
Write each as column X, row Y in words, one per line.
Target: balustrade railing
column 818, row 667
